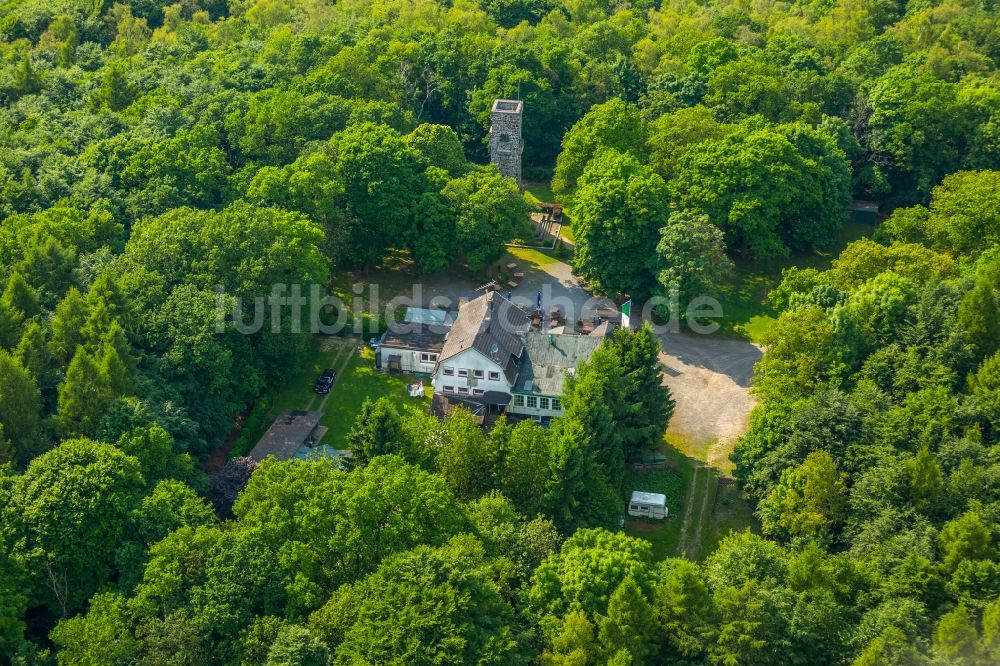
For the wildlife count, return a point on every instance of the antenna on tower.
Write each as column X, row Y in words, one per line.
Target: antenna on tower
column 518, row 91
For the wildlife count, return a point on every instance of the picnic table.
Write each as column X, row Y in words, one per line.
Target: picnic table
column 512, row 284
column 512, row 266
column 519, row 274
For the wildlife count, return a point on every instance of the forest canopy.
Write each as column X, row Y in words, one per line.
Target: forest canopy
column 151, row 152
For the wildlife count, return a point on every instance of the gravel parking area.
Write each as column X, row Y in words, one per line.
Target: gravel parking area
column 709, row 378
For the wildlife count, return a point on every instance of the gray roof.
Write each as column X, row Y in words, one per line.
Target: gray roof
column 414, row 336
column 492, row 326
column 443, row 405
column 603, row 329
column 289, row 431
column 641, row 497
column 549, row 357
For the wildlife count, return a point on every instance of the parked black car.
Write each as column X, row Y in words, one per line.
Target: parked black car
column 325, row 381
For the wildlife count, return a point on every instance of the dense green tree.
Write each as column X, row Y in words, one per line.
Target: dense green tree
column 84, row 396
column 672, row 134
column 507, row 534
column 578, row 492
column 464, row 456
column 584, row 574
column 595, row 401
column 573, row 643
column 682, row 608
column 956, row 639
column 809, row 501
column 692, row 254
column 294, row 646
column 13, row 603
column 382, row 181
column 648, row 400
column 354, row 521
column 154, row 448
column 67, row 324
column 69, row 512
column 20, row 411
column 34, row 354
column 187, row 169
column 628, row 624
column 376, row 430
column 169, row 505
column 272, row 125
column 770, row 189
column 432, row 237
column 433, row 605
column 801, row 356
column 20, row 298
column 10, row 327
column 965, row 537
column 103, row 634
column 489, row 212
column 617, row 212
column 979, row 319
column 961, row 216
column 116, row 91
column 524, row 454
column 614, row 124
column 438, row 146
column 919, row 127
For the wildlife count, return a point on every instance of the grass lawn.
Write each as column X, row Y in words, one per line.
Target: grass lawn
column 297, row 392
column 540, row 191
column 530, row 255
column 566, row 231
column 744, row 300
column 713, row 501
column 358, row 381
column 664, row 535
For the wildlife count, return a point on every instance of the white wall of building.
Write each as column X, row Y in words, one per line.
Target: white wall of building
column 410, row 359
column 543, row 405
column 472, row 363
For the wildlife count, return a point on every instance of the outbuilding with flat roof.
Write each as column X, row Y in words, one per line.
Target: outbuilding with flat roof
column 290, row 432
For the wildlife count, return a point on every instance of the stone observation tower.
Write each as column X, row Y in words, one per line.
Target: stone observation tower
column 505, row 137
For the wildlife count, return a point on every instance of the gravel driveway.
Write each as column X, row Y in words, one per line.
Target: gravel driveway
column 709, row 378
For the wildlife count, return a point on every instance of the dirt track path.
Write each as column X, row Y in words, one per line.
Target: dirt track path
column 707, row 498
column 682, row 542
column 342, row 361
column 338, row 363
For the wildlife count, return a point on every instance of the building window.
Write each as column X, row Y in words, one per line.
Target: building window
column 519, row 401
column 463, row 372
column 634, row 507
column 532, row 402
column 463, row 390
column 448, row 389
column 478, row 374
column 494, row 376
column 556, row 405
column 426, row 357
column 478, row 392
column 449, row 372
column 543, row 403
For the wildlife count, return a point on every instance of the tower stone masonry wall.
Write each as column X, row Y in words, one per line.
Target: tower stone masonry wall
column 506, row 143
